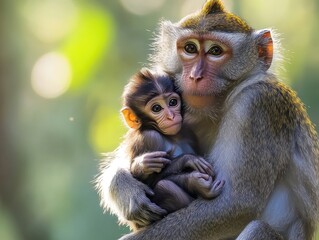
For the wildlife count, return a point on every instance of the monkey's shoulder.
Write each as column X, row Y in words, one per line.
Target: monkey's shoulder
column 150, row 140
column 141, row 135
column 152, row 136
column 273, row 96
column 271, row 104
column 136, row 142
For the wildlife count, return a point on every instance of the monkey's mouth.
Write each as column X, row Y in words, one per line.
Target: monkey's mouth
column 198, row 101
column 173, row 128
column 175, row 124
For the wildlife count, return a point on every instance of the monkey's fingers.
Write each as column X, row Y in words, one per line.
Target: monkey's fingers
column 158, row 160
column 201, row 165
column 152, row 206
column 207, row 167
column 216, row 188
column 194, row 164
column 141, row 221
column 136, row 209
column 143, row 212
column 155, row 168
column 154, row 165
column 218, row 184
column 157, row 154
column 204, row 176
column 204, row 168
column 151, row 213
column 157, row 212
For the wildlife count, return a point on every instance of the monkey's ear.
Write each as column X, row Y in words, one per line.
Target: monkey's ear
column 130, row 118
column 265, row 47
column 213, row 6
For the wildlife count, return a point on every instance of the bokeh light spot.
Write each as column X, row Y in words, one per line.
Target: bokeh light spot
column 51, row 75
column 141, row 7
column 88, row 42
column 50, row 20
column 106, row 130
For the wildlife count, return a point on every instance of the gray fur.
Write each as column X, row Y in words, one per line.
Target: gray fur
column 259, row 139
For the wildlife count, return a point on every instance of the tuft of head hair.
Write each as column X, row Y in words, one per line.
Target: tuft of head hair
column 211, row 7
column 214, row 17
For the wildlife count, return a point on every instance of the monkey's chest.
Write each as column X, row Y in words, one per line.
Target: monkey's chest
column 176, row 149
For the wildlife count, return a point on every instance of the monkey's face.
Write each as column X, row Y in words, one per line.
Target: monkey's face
column 165, row 109
column 212, row 63
column 202, row 58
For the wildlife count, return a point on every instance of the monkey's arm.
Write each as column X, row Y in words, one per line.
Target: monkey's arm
column 250, row 154
column 149, row 154
column 125, row 196
column 121, row 193
column 187, row 162
column 198, row 184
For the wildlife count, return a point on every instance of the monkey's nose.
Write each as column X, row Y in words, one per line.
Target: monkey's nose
column 196, row 78
column 170, row 115
column 197, row 71
column 196, row 74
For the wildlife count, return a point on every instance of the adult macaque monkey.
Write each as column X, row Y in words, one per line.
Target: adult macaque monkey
column 255, row 129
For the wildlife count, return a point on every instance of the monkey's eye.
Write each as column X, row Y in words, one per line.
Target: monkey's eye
column 156, row 108
column 190, row 48
column 215, row 50
column 173, row 102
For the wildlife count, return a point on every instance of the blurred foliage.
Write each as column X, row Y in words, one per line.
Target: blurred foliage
column 85, row 51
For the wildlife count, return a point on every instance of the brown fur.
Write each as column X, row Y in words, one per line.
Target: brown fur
column 213, row 17
column 261, row 141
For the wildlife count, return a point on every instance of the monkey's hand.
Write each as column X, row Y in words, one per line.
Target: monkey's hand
column 148, row 163
column 141, row 210
column 197, row 163
column 204, row 186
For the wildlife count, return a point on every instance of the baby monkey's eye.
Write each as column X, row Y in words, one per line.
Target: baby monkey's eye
column 173, row 102
column 156, row 108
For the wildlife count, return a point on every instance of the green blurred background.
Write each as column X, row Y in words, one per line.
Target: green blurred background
column 63, row 65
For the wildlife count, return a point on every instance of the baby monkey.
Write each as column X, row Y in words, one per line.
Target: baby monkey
column 161, row 148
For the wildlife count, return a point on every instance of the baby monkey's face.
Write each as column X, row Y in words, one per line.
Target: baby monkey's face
column 165, row 109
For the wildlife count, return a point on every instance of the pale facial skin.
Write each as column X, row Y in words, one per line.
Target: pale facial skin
column 202, row 58
column 165, row 109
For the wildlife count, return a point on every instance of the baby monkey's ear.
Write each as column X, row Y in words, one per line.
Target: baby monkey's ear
column 130, row 118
